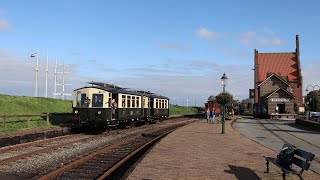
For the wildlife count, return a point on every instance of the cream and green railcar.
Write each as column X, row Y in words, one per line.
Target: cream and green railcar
column 104, row 106
column 92, row 106
column 159, row 106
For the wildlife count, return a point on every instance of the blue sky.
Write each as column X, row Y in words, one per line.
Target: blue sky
column 175, row 48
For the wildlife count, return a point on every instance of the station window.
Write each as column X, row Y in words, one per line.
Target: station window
column 97, row 100
column 292, row 90
column 123, row 101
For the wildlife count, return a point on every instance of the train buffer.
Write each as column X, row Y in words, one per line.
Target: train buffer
column 301, row 159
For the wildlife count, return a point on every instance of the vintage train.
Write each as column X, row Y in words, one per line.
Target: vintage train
column 103, row 105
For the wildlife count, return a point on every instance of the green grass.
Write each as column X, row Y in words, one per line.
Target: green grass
column 11, row 105
column 182, row 110
column 22, row 105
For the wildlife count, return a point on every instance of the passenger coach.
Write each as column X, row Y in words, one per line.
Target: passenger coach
column 104, row 105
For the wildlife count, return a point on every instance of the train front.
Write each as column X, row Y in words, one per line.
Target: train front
column 92, row 107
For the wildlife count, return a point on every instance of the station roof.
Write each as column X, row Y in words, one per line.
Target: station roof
column 282, row 64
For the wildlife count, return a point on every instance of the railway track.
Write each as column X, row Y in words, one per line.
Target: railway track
column 317, row 159
column 34, row 160
column 104, row 163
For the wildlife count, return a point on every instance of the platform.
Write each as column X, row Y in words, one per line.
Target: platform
column 200, row 151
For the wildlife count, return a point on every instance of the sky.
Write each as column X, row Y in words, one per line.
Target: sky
column 179, row 49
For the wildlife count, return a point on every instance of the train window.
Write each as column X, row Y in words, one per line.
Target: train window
column 133, row 101
column 109, row 100
column 128, row 101
column 97, row 100
column 123, row 101
column 137, row 102
column 83, row 100
column 157, row 103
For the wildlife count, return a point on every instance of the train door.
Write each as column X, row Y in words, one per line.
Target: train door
column 114, row 105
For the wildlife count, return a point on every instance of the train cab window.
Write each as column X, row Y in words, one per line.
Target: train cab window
column 97, row 100
column 123, row 101
column 83, row 100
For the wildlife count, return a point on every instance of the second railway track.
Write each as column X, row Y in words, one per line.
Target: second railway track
column 41, row 163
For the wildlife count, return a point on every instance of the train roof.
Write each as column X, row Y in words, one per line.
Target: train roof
column 117, row 89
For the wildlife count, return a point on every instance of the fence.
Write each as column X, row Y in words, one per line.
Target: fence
column 5, row 117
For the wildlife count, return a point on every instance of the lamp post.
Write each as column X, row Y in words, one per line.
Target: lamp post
column 224, row 83
column 312, row 99
column 238, row 102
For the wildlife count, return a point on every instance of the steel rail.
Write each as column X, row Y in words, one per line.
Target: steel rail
column 21, row 146
column 81, row 161
column 21, row 156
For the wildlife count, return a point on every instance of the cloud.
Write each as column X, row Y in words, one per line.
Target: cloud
column 252, row 38
column 310, row 74
column 205, row 33
column 4, row 25
column 236, row 53
column 171, row 45
column 202, row 64
column 268, row 30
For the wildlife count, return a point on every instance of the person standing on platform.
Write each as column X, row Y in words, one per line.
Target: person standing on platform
column 213, row 115
column 208, row 114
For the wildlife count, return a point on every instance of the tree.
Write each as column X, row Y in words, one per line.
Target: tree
column 224, row 98
column 313, row 101
column 211, row 98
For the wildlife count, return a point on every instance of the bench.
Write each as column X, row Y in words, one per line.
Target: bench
column 273, row 115
column 301, row 159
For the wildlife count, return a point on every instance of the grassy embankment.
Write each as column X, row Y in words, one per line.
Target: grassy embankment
column 182, row 110
column 22, row 105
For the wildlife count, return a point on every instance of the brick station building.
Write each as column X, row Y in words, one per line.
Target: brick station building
column 277, row 82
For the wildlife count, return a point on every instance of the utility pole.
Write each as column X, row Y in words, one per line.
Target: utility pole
column 55, row 79
column 63, row 84
column 47, row 70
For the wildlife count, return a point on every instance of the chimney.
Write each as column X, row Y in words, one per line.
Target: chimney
column 297, row 46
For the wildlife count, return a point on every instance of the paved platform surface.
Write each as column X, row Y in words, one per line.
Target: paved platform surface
column 274, row 133
column 200, row 151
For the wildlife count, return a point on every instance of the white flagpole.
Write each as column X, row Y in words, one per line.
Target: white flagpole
column 47, row 69
column 37, row 70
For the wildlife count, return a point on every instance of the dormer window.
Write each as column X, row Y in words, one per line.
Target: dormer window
column 292, row 90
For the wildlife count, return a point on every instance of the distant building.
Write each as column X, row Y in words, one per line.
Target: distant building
column 277, row 82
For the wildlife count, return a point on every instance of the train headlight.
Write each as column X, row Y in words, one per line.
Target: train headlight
column 99, row 112
column 76, row 111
